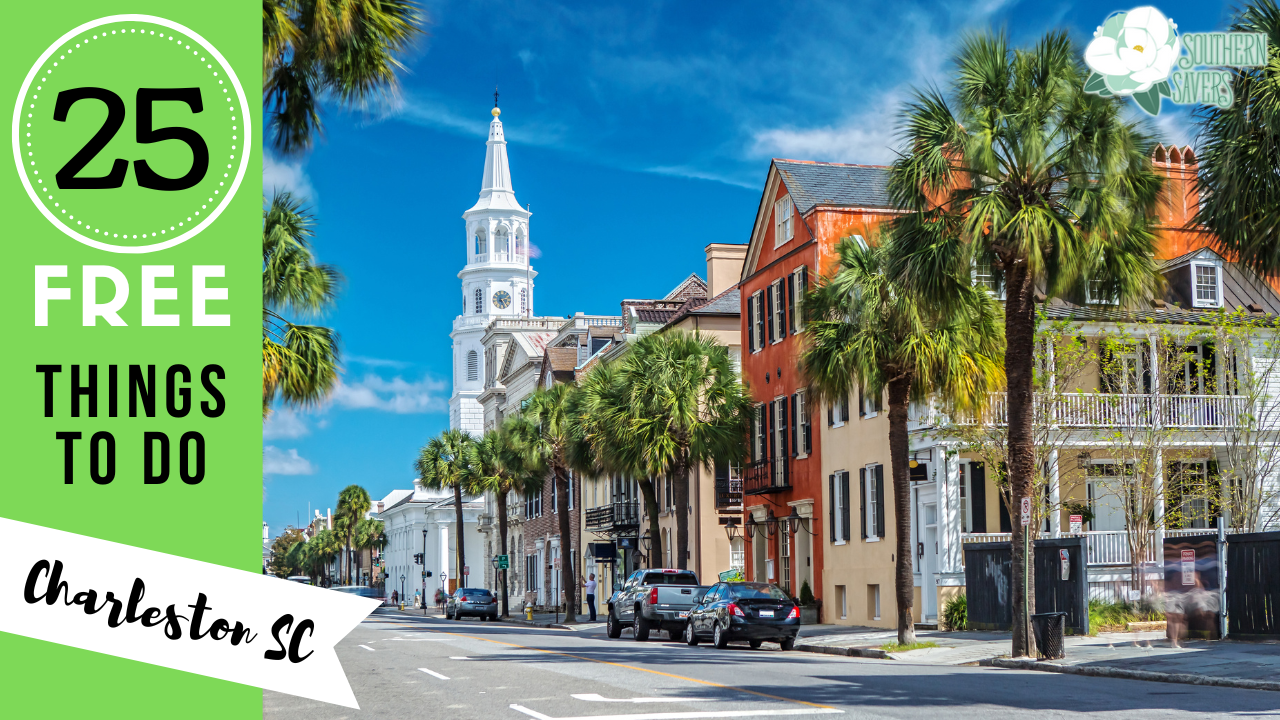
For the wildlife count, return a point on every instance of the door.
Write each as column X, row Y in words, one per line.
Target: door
column 928, row 514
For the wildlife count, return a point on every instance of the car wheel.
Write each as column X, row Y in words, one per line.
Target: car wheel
column 788, row 643
column 689, row 637
column 719, row 638
column 755, row 644
column 612, row 627
column 640, row 628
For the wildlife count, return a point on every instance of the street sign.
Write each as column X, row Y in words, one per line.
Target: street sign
column 466, row 569
column 1026, row 511
column 504, row 562
column 557, row 563
column 1188, row 567
column 424, row 574
column 1077, row 524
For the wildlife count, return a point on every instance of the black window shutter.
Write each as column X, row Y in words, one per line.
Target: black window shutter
column 1213, row 483
column 878, row 401
column 1209, row 369
column 1173, row 493
column 782, row 439
column 1144, row 360
column 1006, row 524
column 831, row 413
column 791, row 294
column 769, row 329
column 862, row 403
column 795, row 428
column 808, row 428
column 1106, row 379
column 844, row 505
column 831, row 505
column 880, row 501
column 978, row 497
column 844, row 410
column 770, row 430
column 862, row 505
column 751, row 323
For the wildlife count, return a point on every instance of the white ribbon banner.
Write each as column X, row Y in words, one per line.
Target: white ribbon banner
column 176, row 612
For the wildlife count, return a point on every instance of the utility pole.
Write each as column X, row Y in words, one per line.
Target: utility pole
column 424, row 572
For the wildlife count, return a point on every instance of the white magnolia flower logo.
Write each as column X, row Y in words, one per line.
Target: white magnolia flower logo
column 1132, row 54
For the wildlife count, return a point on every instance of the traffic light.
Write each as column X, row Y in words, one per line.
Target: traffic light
column 417, row 558
column 428, row 573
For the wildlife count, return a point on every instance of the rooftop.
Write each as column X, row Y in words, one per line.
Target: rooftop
column 818, row 183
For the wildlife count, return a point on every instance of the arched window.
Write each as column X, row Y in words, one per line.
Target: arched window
column 479, row 301
column 482, row 242
column 522, row 245
column 501, row 244
column 473, row 365
column 524, row 300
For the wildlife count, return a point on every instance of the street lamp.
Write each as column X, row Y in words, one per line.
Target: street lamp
column 424, row 572
column 731, row 529
column 797, row 523
column 402, row 588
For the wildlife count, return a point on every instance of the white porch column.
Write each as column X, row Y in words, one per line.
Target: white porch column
column 950, row 559
column 1158, row 487
column 1055, row 496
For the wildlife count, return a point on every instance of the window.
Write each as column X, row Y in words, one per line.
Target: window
column 737, row 554
column 777, row 313
column 501, row 244
column 873, row 602
column 755, row 321
column 667, row 482
column 524, row 300
column 869, row 404
column 479, row 301
column 838, row 412
column 802, row 438
column 843, row 598
column 838, row 519
column 473, row 365
column 778, row 439
column 784, row 559
column 1206, row 285
column 871, row 480
column 797, row 284
column 757, row 436
column 1095, row 295
column 783, row 216
column 482, row 242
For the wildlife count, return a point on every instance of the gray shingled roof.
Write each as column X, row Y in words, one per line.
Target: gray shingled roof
column 1171, row 316
column 816, row 183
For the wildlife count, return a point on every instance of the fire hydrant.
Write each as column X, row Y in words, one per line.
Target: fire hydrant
column 528, row 613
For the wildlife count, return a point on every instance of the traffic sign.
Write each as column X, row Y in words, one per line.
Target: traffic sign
column 504, row 562
column 1077, row 524
column 466, row 569
column 1026, row 511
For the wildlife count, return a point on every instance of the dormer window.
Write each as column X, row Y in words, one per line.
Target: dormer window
column 783, row 216
column 1206, row 285
column 1094, row 295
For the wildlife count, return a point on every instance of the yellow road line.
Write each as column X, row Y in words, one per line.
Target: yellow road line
column 628, row 667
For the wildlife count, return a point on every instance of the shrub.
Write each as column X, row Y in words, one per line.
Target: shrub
column 806, row 594
column 1105, row 615
column 955, row 614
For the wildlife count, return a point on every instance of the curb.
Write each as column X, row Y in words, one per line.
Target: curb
column 873, row 653
column 527, row 623
column 1126, row 674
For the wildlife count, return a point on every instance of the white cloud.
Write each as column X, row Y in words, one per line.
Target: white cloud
column 285, row 423
column 378, row 362
column 286, row 175
column 284, row 462
column 396, row 395
column 866, row 137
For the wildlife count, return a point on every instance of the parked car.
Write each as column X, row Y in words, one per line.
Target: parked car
column 476, row 602
column 654, row 599
column 749, row 611
column 359, row 591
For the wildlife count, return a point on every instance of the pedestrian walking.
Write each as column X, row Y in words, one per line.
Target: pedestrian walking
column 590, row 586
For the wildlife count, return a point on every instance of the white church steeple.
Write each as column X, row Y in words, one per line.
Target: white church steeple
column 497, row 280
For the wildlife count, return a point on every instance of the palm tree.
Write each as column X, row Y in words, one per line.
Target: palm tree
column 546, row 432
column 370, row 535
column 342, row 49
column 321, row 550
column 501, row 469
column 353, row 503
column 866, row 330
column 1021, row 170
column 685, row 407
column 299, row 362
column 1240, row 151
column 601, row 437
column 445, row 463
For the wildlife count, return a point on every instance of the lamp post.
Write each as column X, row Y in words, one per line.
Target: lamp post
column 424, row 572
column 493, row 560
column 401, row 588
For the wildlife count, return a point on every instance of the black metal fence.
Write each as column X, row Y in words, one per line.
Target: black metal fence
column 1061, row 575
column 1253, row 584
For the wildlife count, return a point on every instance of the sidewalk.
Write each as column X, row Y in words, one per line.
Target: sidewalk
column 1139, row 656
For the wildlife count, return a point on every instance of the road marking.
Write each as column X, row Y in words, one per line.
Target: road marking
column 596, row 697
column 685, row 715
column 431, row 639
column 433, row 672
column 366, row 647
column 459, row 657
column 708, row 683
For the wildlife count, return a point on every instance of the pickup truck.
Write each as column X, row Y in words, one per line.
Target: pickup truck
column 654, row 599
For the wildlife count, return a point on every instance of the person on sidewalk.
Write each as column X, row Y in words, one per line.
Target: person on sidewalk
column 590, row 586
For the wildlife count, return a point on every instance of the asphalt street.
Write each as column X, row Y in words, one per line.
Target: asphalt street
column 402, row 667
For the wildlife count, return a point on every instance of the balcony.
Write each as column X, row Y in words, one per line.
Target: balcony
column 1104, row 410
column 614, row 517
column 1104, row 547
column 770, row 475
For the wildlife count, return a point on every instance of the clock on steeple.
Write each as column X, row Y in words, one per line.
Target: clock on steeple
column 502, row 300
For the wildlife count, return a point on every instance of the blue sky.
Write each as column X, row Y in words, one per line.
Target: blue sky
column 638, row 132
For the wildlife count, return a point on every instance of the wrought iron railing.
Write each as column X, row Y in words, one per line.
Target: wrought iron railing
column 767, row 476
column 613, row 516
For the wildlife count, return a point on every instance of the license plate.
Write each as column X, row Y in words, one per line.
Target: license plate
column 684, row 614
column 766, row 613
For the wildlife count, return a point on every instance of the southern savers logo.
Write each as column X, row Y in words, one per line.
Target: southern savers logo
column 1139, row 54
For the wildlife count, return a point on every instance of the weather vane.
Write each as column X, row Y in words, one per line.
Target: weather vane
column 495, row 96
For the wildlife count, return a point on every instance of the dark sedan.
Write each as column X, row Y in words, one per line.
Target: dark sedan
column 749, row 611
column 477, row 602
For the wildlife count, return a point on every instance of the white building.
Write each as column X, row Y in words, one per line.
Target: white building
column 497, row 281
column 405, row 514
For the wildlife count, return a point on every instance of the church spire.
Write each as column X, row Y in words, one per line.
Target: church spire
column 495, row 187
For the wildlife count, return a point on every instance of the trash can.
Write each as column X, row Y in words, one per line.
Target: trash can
column 1048, row 628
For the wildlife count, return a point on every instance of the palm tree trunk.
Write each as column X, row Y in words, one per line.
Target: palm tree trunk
column 681, row 475
column 457, row 513
column 502, row 534
column 651, row 510
column 1019, row 313
column 904, row 585
column 566, row 548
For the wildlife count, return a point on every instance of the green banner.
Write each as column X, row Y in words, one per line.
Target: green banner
column 132, row 277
